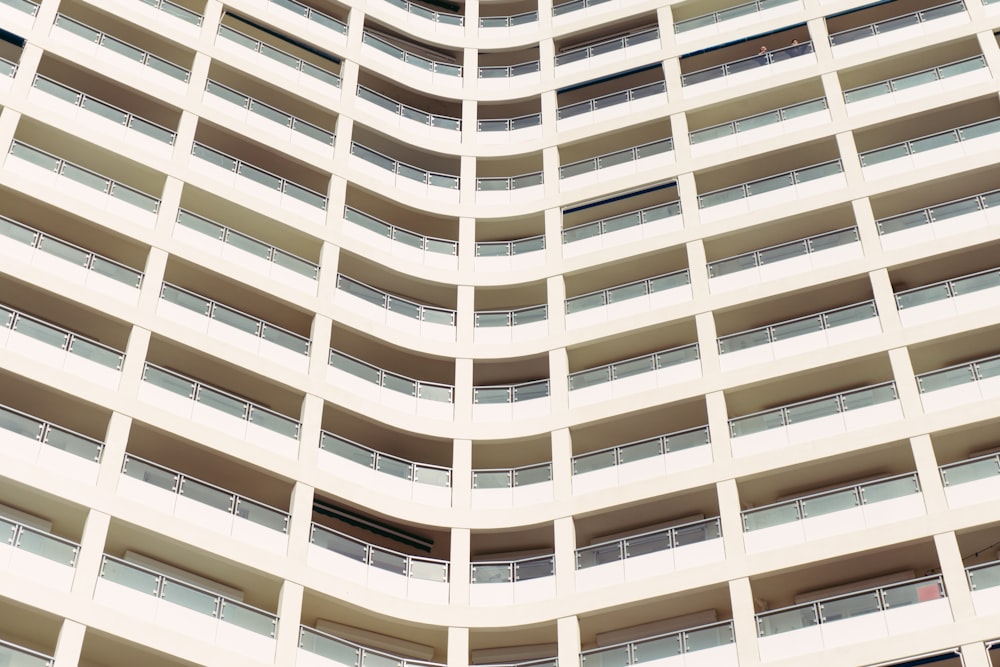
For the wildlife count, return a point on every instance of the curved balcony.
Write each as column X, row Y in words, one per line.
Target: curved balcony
column 510, row 255
column 377, row 568
column 624, row 378
column 174, row 11
column 526, row 580
column 204, row 504
column 402, row 115
column 91, row 187
column 253, row 112
column 628, row 162
column 280, row 63
column 623, row 465
column 623, row 228
column 649, row 554
column 713, row 644
column 512, row 487
column 959, row 385
column 219, row 410
column 27, row 551
column 960, row 142
column 509, row 189
column 391, row 475
column 940, row 221
column 310, row 20
column 393, row 311
column 798, row 336
column 821, row 515
column 18, row 15
column 411, row 14
column 148, row 595
column 510, row 402
column 573, row 10
column 509, row 130
column 404, row 177
column 505, row 76
column 860, row 616
column 737, row 16
column 508, row 27
column 620, row 301
column 746, row 70
column 758, row 127
column 624, row 102
column 251, row 253
column 814, row 419
column 772, row 191
column 319, row 649
column 786, row 259
column 401, row 243
column 971, row 481
column 68, row 261
column 898, row 28
column 984, row 581
column 632, row 45
column 427, row 399
column 925, row 83
column 406, row 64
column 263, row 184
column 43, row 443
column 511, row 326
column 949, row 298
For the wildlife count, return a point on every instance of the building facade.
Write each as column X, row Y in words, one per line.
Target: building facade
column 604, row 332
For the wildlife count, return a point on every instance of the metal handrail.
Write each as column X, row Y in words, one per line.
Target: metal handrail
column 671, row 531
column 285, row 186
column 511, row 313
column 734, row 125
column 14, row 317
column 511, row 246
column 10, row 67
column 873, row 28
column 682, row 638
column 948, row 284
column 14, row 538
column 513, row 568
column 508, row 124
column 48, row 659
column 908, row 144
column 975, row 374
column 508, row 21
column 793, row 175
column 100, row 36
column 593, row 103
column 183, row 13
column 632, row 152
column 937, row 71
column 44, row 426
column 449, row 121
column 398, row 167
column 597, row 48
column 511, row 473
column 27, row 6
column 743, row 64
column 821, row 315
column 647, row 282
column 412, row 58
column 511, row 389
column 928, row 212
column 376, row 456
column 663, row 441
column 250, row 102
column 300, row 64
column 737, row 11
column 426, row 242
column 510, row 183
column 639, row 216
column 508, row 71
column 388, row 298
column 370, row 549
column 654, row 356
column 958, row 464
column 805, row 241
column 309, row 13
column 382, row 373
column 432, row 15
column 363, row 651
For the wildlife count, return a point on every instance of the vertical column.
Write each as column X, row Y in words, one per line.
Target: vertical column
column 820, row 38
column 730, row 517
column 27, row 67
column 687, row 193
column 665, row 23
column 885, row 301
column 463, row 390
column 834, row 96
column 867, row 228
column 467, row 180
column 69, row 645
column 718, row 426
column 744, row 622
column 953, row 573
column 458, row 570
column 565, row 555
column 562, row 464
column 470, row 70
column 466, row 244
column 906, row 384
column 679, row 133
column 466, row 314
column 341, row 154
column 990, row 48
column 289, row 620
column 849, row 159
column 113, row 454
column 553, row 237
column 320, row 340
column 708, row 349
column 136, row 351
column 181, row 152
column 697, row 261
column 928, row 474
column 550, row 171
column 210, row 20
column 8, row 123
column 458, row 641
column 310, row 424
column 568, row 634
column 555, row 289
column 975, row 655
column 470, row 116
column 88, row 562
column 550, row 115
column 300, row 510
column 170, row 202
column 558, row 380
column 461, row 474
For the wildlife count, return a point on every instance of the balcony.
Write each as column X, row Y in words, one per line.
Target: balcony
column 971, row 481
column 319, row 649
column 621, row 301
column 746, row 70
column 69, row 262
column 949, row 298
column 514, row 27
column 929, row 150
column 622, row 228
column 786, row 259
column 708, row 645
column 522, row 581
column 33, row 552
column 508, row 130
column 759, row 127
column 623, row 465
column 649, row 554
column 124, row 57
column 512, row 487
column 219, row 410
column 890, row 31
column 309, row 21
column 940, row 221
column 164, row 12
column 799, row 335
column 312, row 77
column 404, row 177
column 630, row 376
column 394, row 476
column 401, row 243
column 186, row 608
column 830, row 513
column 393, row 311
column 525, row 400
column 612, row 105
column 637, row 43
column 436, row 70
column 411, row 14
column 39, row 442
column 510, row 255
column 628, row 162
column 509, row 70
column 18, row 16
column 865, row 615
column 918, row 85
column 814, row 419
column 207, row 505
column 511, row 326
column 390, row 572
column 779, row 189
column 392, row 390
column 984, row 581
column 732, row 18
column 960, row 384
column 575, row 10
column 83, row 184
column 249, row 252
column 398, row 114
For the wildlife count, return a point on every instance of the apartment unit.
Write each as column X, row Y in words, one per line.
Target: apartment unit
column 388, row 333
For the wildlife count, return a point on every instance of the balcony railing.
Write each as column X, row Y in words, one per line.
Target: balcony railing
column 105, row 110
column 960, row 384
column 259, row 176
column 510, row 478
column 647, row 543
column 574, row 5
column 949, row 289
column 37, row 542
column 983, row 577
column 525, row 18
column 204, row 493
column 920, row 78
column 435, row 67
column 395, row 304
column 783, row 251
column 511, row 318
column 746, row 64
column 510, row 248
column 930, row 142
column 611, row 100
column 343, row 652
column 411, row 567
column 188, row 596
column 420, row 473
column 940, row 212
column 124, row 49
column 633, row 290
column 757, row 121
column 762, row 186
column 175, row 10
column 84, row 176
column 248, row 244
column 47, row 433
column 258, row 108
column 516, row 393
column 647, row 363
column 972, row 481
column 400, row 235
column 625, row 156
column 220, row 401
column 662, row 647
column 405, row 170
column 432, row 391
column 7, row 68
column 508, row 183
column 408, row 112
column 641, row 449
column 621, row 222
column 896, row 23
column 26, row 6
column 509, row 124
column 730, row 13
column 501, row 572
column 509, row 71
column 12, row 654
column 310, row 14
column 608, row 46
column 800, row 326
column 98, row 265
column 280, row 57
column 437, row 17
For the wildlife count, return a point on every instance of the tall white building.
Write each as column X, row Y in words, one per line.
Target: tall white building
column 378, row 333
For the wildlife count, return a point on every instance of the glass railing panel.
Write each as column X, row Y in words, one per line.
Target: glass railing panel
column 984, row 576
column 273, row 421
column 20, row 424
column 492, row 479
column 599, row 555
column 428, row 570
column 130, row 576
column 864, row 398
column 827, row 503
column 338, row 543
column 879, row 491
column 73, row 443
column 347, row 450
column 641, row 545
column 47, row 546
column 222, row 402
column 532, row 474
column 151, row 474
column 207, row 494
column 491, row 573
column 328, row 647
column 787, row 620
column 944, row 379
column 923, row 295
column 768, row 517
column 388, row 561
column 850, row 315
column 799, row 327
column 914, row 592
column 189, row 597
column 16, row 656
column 850, row 606
column 248, row 618
column 431, row 475
column 756, row 423
column 595, row 461
column 971, row 471
column 638, row 451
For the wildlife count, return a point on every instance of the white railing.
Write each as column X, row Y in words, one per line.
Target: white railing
column 280, row 57
column 266, row 111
